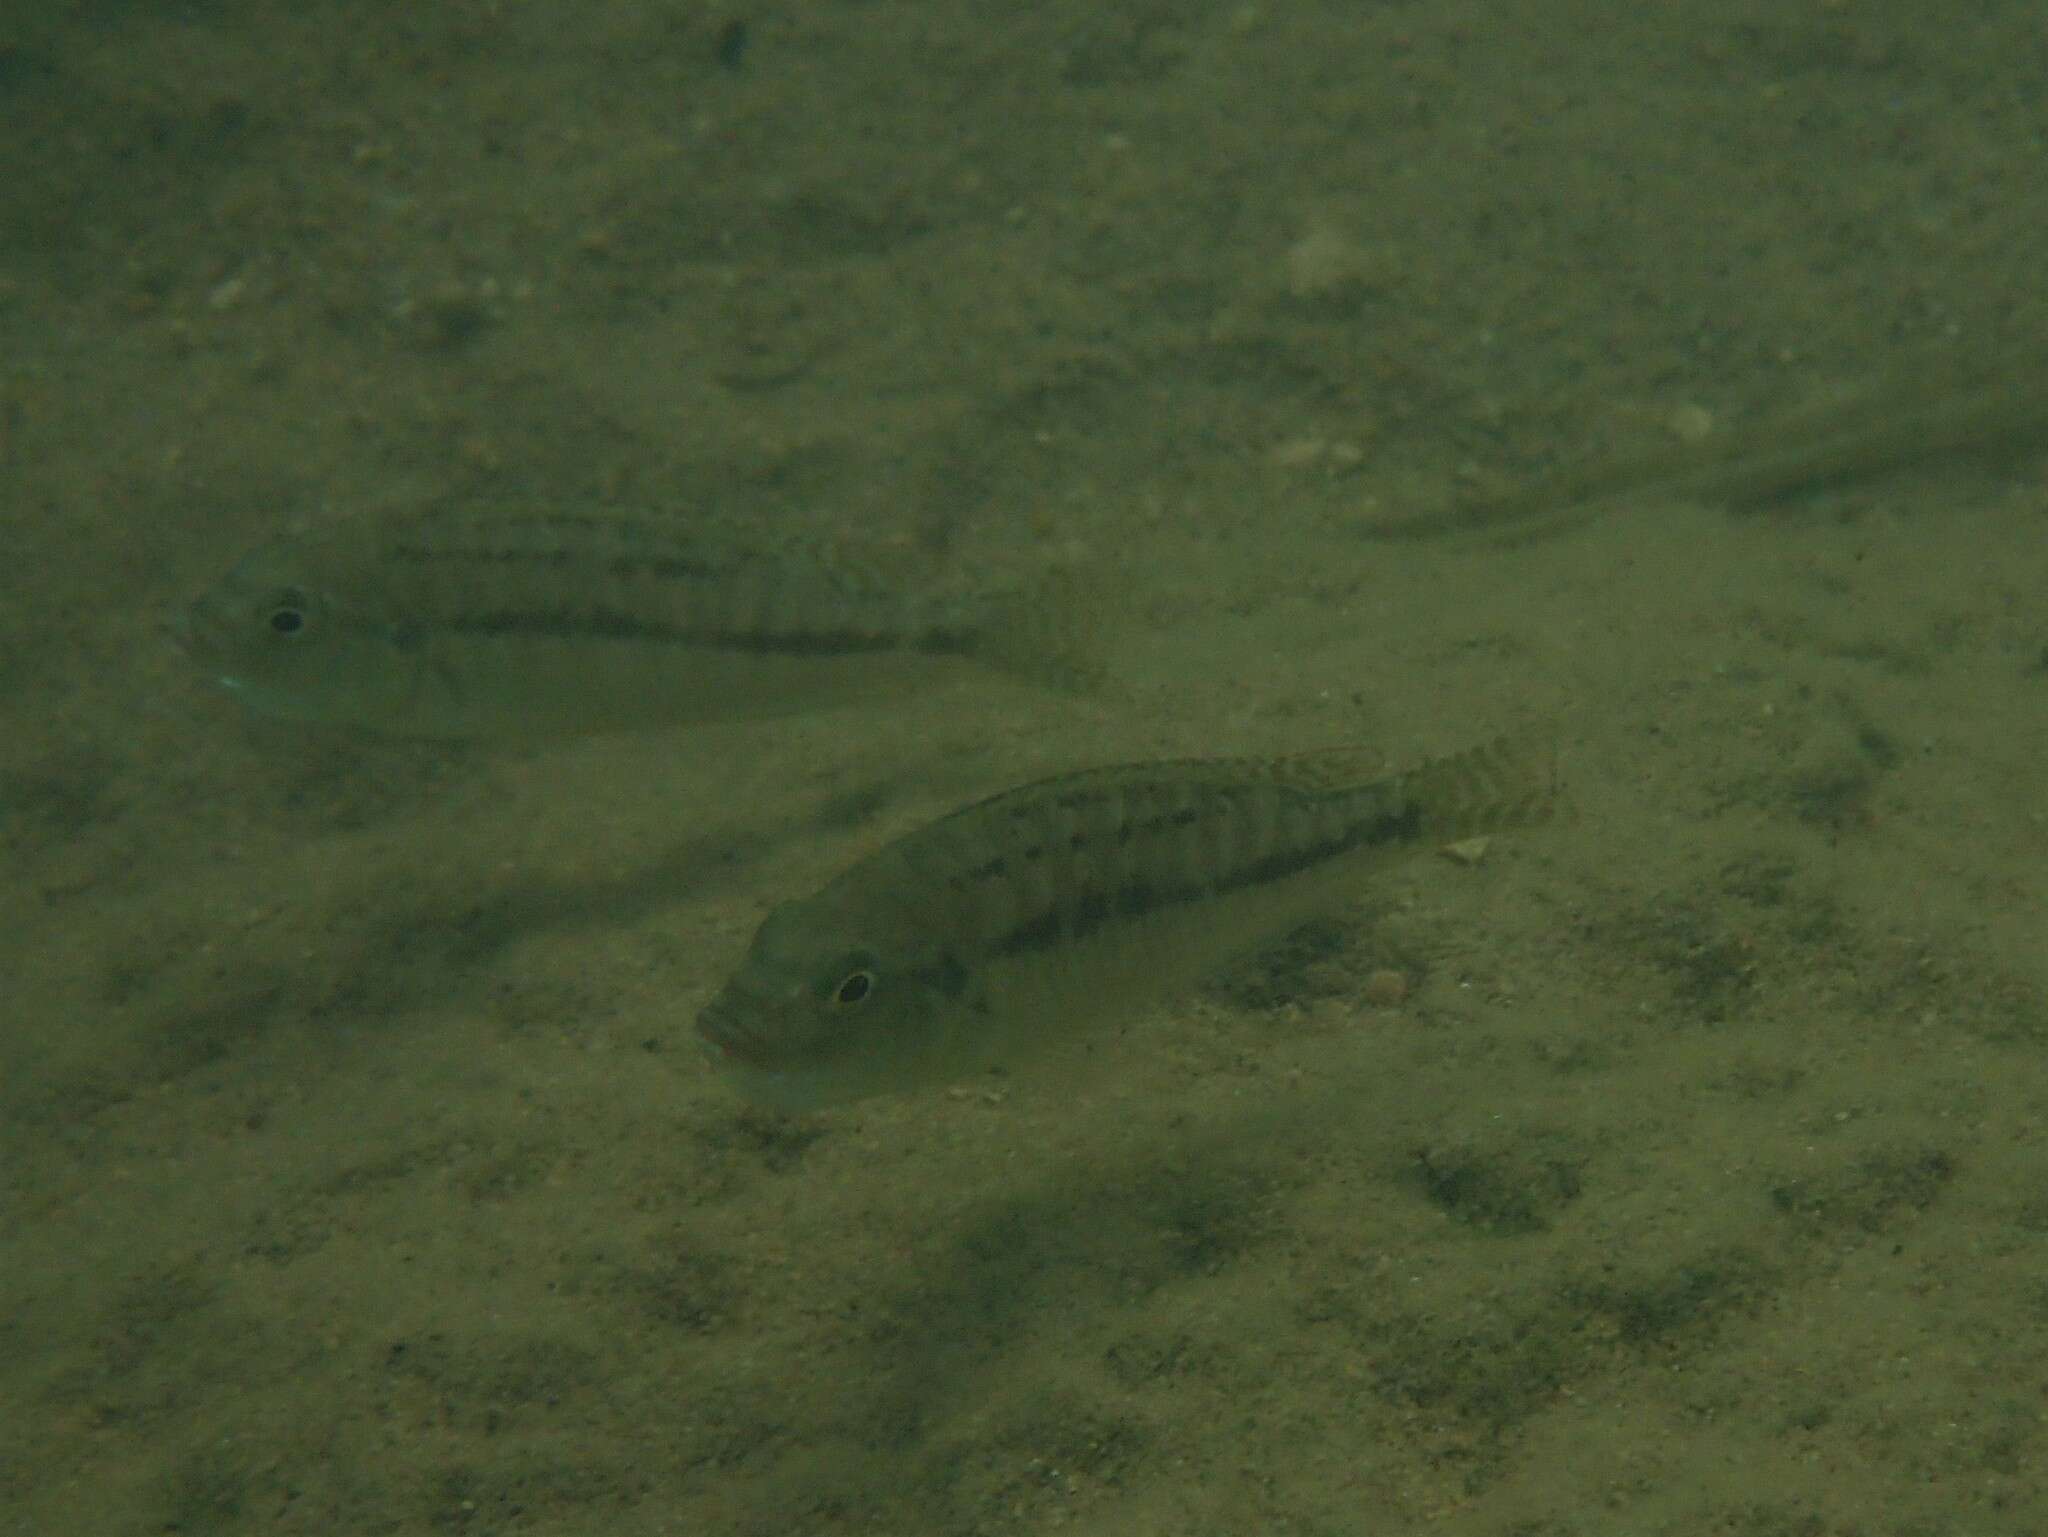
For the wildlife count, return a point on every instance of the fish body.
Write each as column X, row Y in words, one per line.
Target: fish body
column 499, row 624
column 1933, row 411
column 1086, row 897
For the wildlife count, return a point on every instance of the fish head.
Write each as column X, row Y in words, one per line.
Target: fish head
column 288, row 646
column 824, row 1011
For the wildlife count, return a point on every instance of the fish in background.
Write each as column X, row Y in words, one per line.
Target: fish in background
column 1029, row 916
column 1939, row 408
column 499, row 624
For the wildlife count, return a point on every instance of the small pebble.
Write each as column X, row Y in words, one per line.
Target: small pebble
column 1386, row 988
column 1691, row 423
column 1324, row 265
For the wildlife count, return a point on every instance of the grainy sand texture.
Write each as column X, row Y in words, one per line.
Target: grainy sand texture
column 1681, row 1168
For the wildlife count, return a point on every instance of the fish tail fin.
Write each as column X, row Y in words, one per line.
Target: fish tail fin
column 1052, row 632
column 1509, row 782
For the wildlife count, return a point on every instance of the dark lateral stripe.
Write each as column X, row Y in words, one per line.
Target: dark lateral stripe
column 615, row 624
column 623, row 565
column 1096, row 909
column 1126, row 830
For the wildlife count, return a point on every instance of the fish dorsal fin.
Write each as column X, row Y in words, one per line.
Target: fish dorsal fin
column 1325, row 769
column 1511, row 778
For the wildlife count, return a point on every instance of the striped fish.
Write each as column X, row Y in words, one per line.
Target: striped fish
column 501, row 624
column 1077, row 899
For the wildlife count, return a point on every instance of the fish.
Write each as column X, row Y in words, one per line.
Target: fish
column 497, row 623
column 1035, row 914
column 1936, row 410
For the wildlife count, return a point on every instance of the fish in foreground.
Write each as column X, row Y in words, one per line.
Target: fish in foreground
column 503, row 624
column 1038, row 912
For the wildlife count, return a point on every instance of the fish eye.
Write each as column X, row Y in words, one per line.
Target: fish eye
column 855, row 986
column 287, row 614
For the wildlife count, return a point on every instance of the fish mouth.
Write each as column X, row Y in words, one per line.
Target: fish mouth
column 200, row 633
column 201, row 639
column 174, row 629
column 731, row 1037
